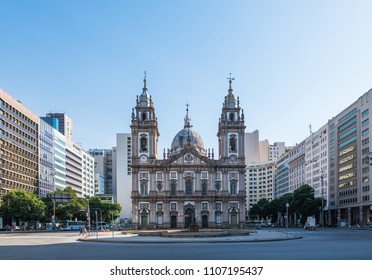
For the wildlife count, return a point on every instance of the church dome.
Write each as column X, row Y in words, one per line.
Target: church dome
column 187, row 137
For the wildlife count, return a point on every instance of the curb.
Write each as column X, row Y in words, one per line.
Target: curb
column 163, row 240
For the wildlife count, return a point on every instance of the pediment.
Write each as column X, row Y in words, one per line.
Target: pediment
column 189, row 157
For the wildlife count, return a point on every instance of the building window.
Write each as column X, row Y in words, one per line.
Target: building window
column 204, row 206
column 173, row 175
column 173, row 206
column 218, row 218
column 159, row 219
column 144, row 188
column 144, row 116
column 233, row 187
column 232, row 144
column 204, row 187
column 189, row 187
column 159, row 186
column 173, row 189
column 217, row 186
column 143, row 143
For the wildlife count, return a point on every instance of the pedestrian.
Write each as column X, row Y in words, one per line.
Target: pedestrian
column 81, row 231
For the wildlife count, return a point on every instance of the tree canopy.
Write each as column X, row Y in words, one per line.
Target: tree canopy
column 19, row 205
column 301, row 202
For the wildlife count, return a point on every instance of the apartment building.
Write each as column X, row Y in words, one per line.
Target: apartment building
column 123, row 174
column 19, row 146
column 260, row 182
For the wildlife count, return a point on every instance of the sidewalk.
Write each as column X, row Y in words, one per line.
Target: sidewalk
column 256, row 236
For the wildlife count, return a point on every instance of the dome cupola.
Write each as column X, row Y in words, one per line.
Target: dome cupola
column 187, row 137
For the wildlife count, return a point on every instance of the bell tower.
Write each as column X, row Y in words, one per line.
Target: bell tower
column 144, row 128
column 231, row 128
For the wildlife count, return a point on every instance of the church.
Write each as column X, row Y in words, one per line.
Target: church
column 189, row 185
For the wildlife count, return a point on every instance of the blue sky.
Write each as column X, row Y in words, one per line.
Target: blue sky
column 295, row 63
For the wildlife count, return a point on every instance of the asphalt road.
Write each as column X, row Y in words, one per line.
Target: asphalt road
column 322, row 244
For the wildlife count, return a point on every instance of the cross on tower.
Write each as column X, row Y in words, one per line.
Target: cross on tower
column 144, row 81
column 230, row 80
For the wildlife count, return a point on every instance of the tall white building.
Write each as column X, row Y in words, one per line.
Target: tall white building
column 296, row 167
column 276, row 150
column 74, row 172
column 260, row 162
column 260, row 182
column 46, row 172
column 123, row 174
column 88, row 179
column 316, row 161
column 59, row 160
column 252, row 147
column 99, row 184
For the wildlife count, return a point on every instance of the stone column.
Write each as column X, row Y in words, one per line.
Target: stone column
column 330, row 222
column 361, row 216
column 349, row 215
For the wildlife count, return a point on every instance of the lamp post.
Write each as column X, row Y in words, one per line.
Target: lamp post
column 287, row 206
column 97, row 219
column 88, row 216
column 321, row 213
column 112, row 222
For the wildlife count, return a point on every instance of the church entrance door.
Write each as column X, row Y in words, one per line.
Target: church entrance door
column 144, row 220
column 205, row 221
column 173, row 221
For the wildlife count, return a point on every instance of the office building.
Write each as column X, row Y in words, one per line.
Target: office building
column 19, row 146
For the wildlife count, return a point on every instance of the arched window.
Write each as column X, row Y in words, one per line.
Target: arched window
column 144, row 116
column 143, row 144
column 232, row 143
column 231, row 116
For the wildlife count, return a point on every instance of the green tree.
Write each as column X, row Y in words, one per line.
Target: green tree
column 105, row 208
column 304, row 202
column 19, row 205
column 260, row 209
column 74, row 209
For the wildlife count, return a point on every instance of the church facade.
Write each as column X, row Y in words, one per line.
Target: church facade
column 188, row 185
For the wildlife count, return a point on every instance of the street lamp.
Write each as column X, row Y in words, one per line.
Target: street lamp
column 287, row 206
column 321, row 213
column 112, row 222
column 88, row 215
